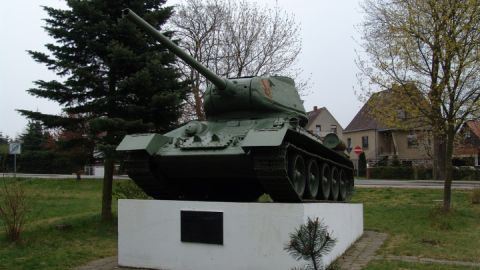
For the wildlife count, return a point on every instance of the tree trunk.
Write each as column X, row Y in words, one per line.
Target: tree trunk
column 107, row 190
column 447, row 189
column 198, row 103
column 439, row 156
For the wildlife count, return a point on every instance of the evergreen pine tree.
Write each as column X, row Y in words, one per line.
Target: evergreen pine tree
column 35, row 156
column 116, row 80
column 73, row 151
column 3, row 139
column 362, row 165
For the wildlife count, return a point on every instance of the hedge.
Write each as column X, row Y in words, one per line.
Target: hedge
column 389, row 172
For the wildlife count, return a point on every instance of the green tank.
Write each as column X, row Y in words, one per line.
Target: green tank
column 253, row 142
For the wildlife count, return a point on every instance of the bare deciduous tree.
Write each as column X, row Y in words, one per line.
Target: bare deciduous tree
column 235, row 39
column 435, row 46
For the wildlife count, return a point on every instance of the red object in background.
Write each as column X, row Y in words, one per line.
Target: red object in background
column 357, row 150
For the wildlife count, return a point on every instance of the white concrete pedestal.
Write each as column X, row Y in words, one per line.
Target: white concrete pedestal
column 254, row 234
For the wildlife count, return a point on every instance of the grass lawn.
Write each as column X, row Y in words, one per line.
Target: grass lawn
column 409, row 217
column 391, row 265
column 54, row 202
column 417, row 227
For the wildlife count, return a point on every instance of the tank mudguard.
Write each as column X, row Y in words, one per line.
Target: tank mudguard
column 264, row 137
column 149, row 142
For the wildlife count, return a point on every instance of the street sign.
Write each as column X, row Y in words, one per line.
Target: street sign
column 357, row 150
column 15, row 148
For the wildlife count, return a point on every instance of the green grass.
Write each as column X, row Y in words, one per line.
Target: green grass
column 410, row 218
column 417, row 227
column 397, row 265
column 43, row 245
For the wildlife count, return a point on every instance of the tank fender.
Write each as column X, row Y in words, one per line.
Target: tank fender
column 264, row 137
column 150, row 142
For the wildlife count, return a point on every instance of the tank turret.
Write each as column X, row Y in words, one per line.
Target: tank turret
column 246, row 96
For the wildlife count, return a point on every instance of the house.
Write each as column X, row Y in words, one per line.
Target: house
column 467, row 150
column 321, row 122
column 383, row 143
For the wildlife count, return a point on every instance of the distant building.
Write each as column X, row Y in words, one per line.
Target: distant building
column 321, row 122
column 382, row 144
column 468, row 146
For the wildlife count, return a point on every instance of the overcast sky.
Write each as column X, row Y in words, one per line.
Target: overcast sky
column 328, row 53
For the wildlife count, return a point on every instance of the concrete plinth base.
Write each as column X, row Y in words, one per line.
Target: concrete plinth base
column 254, row 234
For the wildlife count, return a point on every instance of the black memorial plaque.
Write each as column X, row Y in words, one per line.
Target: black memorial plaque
column 201, row 227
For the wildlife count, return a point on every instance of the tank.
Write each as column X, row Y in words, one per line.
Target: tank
column 252, row 142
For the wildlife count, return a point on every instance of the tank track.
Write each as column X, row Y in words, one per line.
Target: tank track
column 138, row 167
column 270, row 166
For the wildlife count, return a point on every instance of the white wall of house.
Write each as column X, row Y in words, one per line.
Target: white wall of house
column 370, row 149
column 326, row 122
column 95, row 170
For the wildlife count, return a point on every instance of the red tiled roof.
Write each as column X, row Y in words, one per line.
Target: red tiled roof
column 466, row 150
column 474, row 126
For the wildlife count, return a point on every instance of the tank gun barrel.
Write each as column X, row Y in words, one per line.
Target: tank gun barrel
column 218, row 81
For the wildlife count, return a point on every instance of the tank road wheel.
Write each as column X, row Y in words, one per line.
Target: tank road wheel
column 313, row 179
column 342, row 195
column 296, row 172
column 335, row 184
column 325, row 182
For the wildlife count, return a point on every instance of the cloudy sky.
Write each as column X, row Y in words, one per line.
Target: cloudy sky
column 328, row 53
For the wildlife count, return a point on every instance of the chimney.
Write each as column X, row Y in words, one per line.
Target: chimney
column 315, row 108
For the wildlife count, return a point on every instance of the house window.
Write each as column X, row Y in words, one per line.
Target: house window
column 467, row 134
column 365, row 141
column 333, row 129
column 318, row 129
column 349, row 142
column 412, row 140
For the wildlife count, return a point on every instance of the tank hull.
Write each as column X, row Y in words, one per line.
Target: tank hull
column 232, row 161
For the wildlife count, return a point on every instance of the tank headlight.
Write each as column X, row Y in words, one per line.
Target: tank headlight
column 193, row 128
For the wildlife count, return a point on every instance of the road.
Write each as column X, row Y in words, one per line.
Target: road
column 59, row 176
column 434, row 184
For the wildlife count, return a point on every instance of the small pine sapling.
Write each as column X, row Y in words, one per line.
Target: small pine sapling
column 310, row 242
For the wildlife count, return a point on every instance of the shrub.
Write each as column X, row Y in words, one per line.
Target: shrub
column 402, row 172
column 395, row 161
column 362, row 165
column 264, row 198
column 466, row 173
column 310, row 242
column 13, row 209
column 129, row 190
column 476, row 196
column 391, row 173
column 424, row 173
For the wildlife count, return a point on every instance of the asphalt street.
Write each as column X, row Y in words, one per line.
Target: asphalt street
column 434, row 184
column 457, row 184
column 59, row 176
